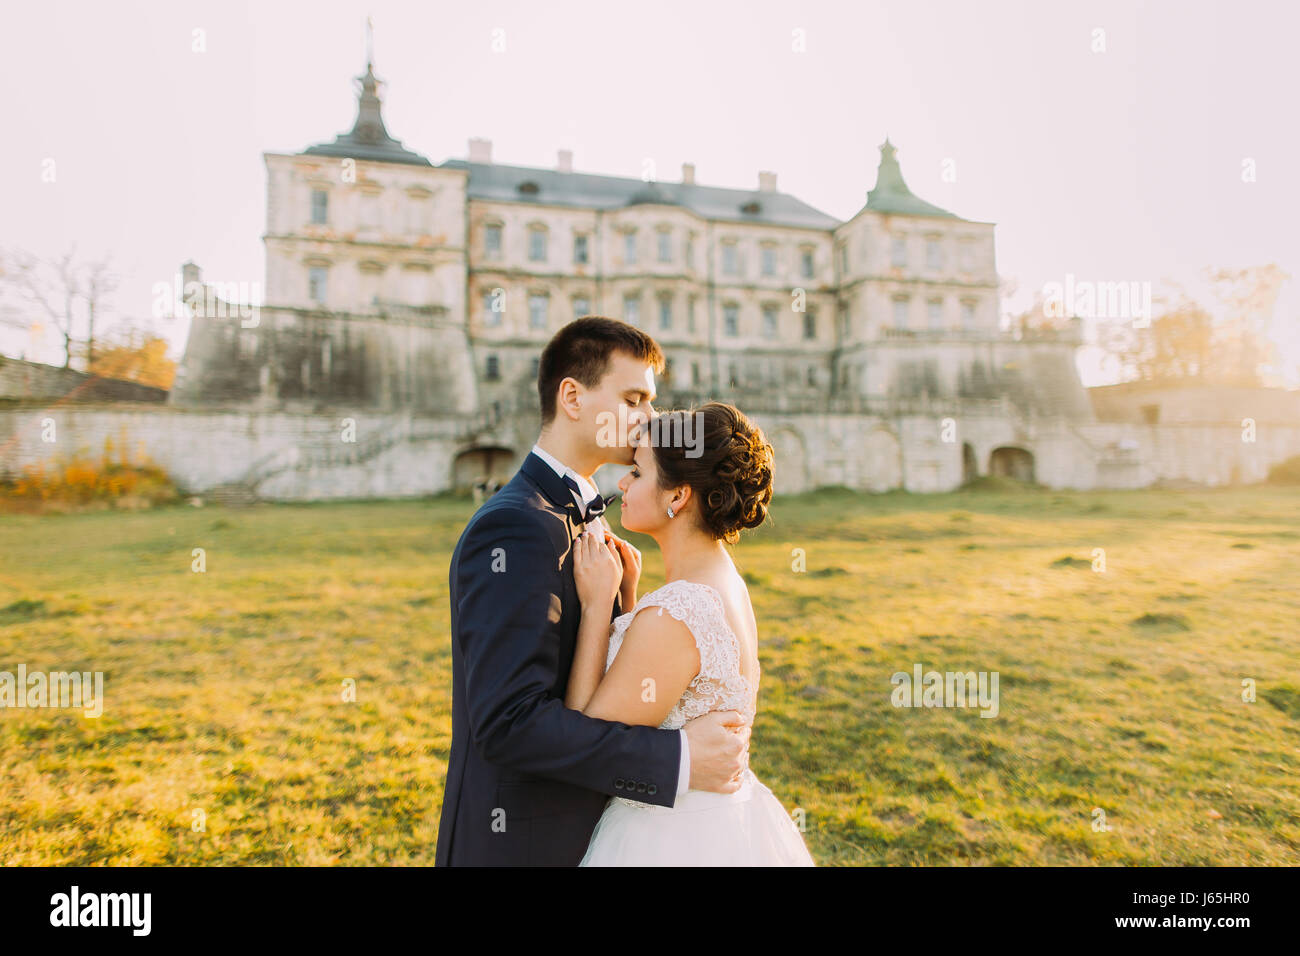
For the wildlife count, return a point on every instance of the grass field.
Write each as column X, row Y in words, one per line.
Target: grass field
column 225, row 738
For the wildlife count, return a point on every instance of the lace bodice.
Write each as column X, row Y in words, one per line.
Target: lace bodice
column 719, row 685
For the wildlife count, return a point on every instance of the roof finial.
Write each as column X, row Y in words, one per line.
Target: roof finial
column 891, row 194
column 370, row 43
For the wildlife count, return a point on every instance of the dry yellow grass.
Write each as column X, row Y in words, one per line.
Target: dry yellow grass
column 1119, row 691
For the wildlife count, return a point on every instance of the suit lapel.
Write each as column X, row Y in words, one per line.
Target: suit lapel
column 552, row 486
column 557, row 493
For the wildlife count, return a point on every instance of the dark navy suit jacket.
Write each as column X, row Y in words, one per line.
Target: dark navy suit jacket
column 527, row 777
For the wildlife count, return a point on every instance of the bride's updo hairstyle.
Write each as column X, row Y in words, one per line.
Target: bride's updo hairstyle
column 731, row 473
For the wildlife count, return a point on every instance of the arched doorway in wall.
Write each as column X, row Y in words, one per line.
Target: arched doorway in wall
column 789, row 462
column 970, row 469
column 489, row 464
column 882, row 465
column 1011, row 462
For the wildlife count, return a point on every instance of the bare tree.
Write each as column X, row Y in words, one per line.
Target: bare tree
column 54, row 286
column 1249, row 296
column 1188, row 340
column 98, row 282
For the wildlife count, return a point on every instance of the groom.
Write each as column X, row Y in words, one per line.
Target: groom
column 528, row 778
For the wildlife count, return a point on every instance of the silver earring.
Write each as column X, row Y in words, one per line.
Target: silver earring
column 671, row 513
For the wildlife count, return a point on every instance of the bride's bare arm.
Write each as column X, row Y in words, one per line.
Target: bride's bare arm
column 655, row 664
column 589, row 657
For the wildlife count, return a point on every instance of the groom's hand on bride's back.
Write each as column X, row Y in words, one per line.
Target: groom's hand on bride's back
column 719, row 746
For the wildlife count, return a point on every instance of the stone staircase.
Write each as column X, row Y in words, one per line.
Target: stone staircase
column 308, row 455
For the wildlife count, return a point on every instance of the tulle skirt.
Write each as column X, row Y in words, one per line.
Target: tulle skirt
column 747, row 828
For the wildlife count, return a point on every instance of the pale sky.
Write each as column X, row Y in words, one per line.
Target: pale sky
column 1122, row 165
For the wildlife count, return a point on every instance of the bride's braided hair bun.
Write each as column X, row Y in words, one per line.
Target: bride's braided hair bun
column 731, row 475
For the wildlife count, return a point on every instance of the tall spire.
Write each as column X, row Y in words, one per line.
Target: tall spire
column 369, row 127
column 369, row 138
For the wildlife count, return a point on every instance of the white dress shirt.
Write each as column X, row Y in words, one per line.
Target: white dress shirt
column 589, row 490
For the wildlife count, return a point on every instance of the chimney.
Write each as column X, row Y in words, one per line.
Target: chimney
column 688, row 174
column 766, row 182
column 565, row 162
column 480, row 150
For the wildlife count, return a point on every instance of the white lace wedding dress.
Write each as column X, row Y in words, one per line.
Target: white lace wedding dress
column 747, row 828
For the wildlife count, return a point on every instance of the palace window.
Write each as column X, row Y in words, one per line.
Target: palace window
column 933, row 254
column 934, row 313
column 665, row 246
column 581, row 306
column 769, row 260
column 537, row 243
column 370, row 210
column 629, row 247
column 492, row 372
column 580, row 250
column 730, row 264
column 317, row 277
column 769, row 321
column 898, row 255
column 810, row 325
column 731, row 320
column 320, row 200
column 493, row 307
column 537, row 310
column 665, row 313
column 806, row 262
column 900, row 312
column 632, row 309
column 492, row 240
column 419, row 211
column 968, row 313
column 966, row 255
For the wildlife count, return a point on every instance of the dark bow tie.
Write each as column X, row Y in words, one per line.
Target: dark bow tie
column 595, row 507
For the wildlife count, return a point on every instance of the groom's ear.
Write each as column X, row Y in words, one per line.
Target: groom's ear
column 568, row 398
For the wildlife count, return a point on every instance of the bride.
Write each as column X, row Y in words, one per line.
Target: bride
column 662, row 669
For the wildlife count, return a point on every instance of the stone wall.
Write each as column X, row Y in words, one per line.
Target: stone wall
column 21, row 380
column 303, row 456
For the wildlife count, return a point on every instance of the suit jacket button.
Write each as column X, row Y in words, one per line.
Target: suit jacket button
column 652, row 789
column 619, row 783
column 640, row 788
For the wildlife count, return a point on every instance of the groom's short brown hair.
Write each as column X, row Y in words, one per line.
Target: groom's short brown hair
column 581, row 350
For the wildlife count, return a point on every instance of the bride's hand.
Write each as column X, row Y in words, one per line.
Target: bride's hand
column 597, row 571
column 631, row 558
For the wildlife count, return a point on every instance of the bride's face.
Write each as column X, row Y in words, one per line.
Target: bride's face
column 642, row 510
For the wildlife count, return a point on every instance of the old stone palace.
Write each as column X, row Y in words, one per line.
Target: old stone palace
column 409, row 302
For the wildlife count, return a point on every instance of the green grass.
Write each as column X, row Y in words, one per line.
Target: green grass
column 1120, row 691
